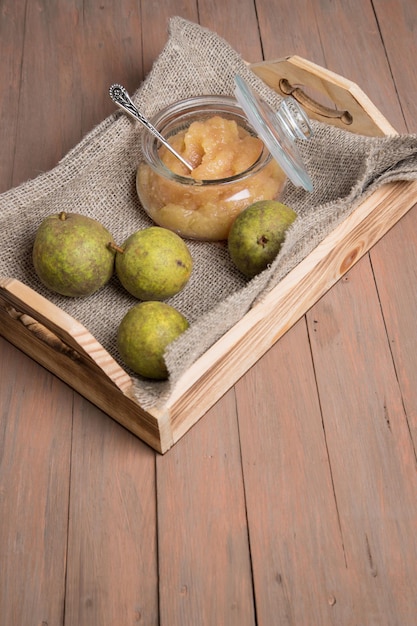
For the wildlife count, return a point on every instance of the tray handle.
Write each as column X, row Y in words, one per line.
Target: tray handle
column 352, row 110
column 22, row 306
column 315, row 107
column 42, row 332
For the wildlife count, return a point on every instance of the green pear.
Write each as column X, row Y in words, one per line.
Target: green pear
column 72, row 254
column 257, row 234
column 144, row 334
column 154, row 264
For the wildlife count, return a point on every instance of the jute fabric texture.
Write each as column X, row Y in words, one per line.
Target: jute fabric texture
column 97, row 178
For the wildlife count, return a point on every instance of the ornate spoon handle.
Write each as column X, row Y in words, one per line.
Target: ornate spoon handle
column 120, row 96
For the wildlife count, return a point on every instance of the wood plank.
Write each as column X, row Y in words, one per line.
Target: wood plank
column 394, row 263
column 394, row 260
column 398, row 22
column 155, row 17
column 296, row 543
column 370, row 449
column 35, row 407
column 112, row 550
column 110, row 51
column 204, row 560
column 112, row 553
column 12, row 25
column 354, row 111
column 236, row 22
column 357, row 385
column 35, row 450
column 47, row 126
column 290, row 29
column 357, row 28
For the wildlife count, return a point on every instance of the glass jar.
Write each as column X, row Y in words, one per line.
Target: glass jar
column 232, row 168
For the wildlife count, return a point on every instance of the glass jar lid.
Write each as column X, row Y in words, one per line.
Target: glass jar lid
column 278, row 130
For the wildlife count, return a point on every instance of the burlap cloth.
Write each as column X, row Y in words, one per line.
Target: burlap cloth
column 97, row 178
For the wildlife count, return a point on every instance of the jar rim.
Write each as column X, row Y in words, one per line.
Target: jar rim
column 183, row 110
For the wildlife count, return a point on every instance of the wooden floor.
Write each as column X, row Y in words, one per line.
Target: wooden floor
column 294, row 500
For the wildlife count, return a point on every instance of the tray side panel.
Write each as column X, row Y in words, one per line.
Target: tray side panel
column 364, row 117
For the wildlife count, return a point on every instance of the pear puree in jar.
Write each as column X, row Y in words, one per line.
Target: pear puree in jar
column 218, row 149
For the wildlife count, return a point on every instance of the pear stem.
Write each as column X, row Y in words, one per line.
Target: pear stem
column 113, row 246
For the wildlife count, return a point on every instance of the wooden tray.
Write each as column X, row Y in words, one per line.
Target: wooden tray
column 65, row 347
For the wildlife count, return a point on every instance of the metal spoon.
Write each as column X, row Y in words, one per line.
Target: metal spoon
column 120, row 96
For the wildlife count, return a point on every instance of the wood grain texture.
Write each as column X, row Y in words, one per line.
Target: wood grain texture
column 12, row 25
column 398, row 22
column 62, row 96
column 110, row 37
column 394, row 264
column 155, row 17
column 204, row 558
column 394, row 261
column 376, row 495
column 296, row 542
column 370, row 449
column 112, row 549
column 47, row 126
column 294, row 499
column 288, row 29
column 237, row 23
column 35, row 455
column 353, row 111
column 36, row 408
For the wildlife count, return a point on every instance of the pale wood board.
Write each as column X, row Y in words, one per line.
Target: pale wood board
column 366, row 119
